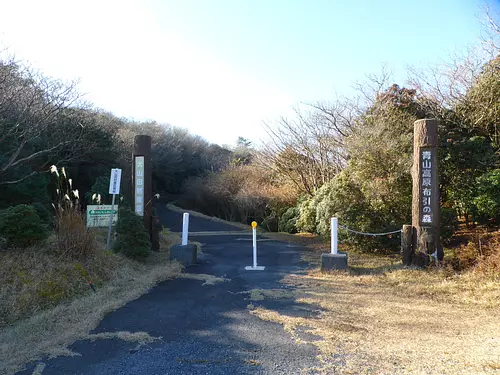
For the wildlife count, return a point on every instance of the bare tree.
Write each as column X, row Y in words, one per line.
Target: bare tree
column 446, row 84
column 490, row 36
column 307, row 150
column 29, row 106
column 371, row 87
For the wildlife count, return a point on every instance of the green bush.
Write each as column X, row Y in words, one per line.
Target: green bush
column 99, row 189
column 288, row 220
column 487, row 200
column 20, row 226
column 43, row 212
column 345, row 199
column 449, row 223
column 306, row 221
column 132, row 238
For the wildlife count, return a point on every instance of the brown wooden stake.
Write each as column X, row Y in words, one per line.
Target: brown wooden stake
column 142, row 181
column 155, row 233
column 406, row 244
column 425, row 203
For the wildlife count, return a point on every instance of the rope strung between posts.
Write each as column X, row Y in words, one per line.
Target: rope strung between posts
column 369, row 234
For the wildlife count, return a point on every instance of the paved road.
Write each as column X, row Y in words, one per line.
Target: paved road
column 205, row 329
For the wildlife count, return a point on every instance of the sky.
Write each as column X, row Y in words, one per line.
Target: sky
column 222, row 67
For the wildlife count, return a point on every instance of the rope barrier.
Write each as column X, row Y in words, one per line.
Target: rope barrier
column 369, row 234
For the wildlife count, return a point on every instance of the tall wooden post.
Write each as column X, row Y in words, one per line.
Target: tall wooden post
column 406, row 244
column 142, row 179
column 425, row 203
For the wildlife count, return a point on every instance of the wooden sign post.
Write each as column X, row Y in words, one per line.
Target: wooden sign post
column 425, row 203
column 142, row 179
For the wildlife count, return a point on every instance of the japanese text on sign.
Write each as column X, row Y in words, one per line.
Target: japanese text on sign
column 139, row 185
column 114, row 181
column 426, row 188
column 98, row 216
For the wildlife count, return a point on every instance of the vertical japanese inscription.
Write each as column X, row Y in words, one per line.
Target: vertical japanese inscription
column 426, row 186
column 139, row 185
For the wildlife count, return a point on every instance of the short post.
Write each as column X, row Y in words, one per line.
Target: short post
column 254, row 241
column 155, row 233
column 406, row 244
column 110, row 221
column 114, row 188
column 185, row 228
column 334, row 230
column 184, row 253
column 334, row 260
column 254, row 267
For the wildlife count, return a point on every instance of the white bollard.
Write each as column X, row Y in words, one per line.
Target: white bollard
column 185, row 228
column 254, row 267
column 334, row 235
column 254, row 236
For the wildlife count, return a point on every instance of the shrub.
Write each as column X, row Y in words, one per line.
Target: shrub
column 488, row 198
column 20, row 226
column 132, row 238
column 270, row 223
column 243, row 193
column 306, row 221
column 99, row 192
column 288, row 220
column 73, row 239
column 449, row 223
column 345, row 199
column 43, row 212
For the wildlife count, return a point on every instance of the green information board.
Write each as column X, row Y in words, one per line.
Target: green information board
column 98, row 215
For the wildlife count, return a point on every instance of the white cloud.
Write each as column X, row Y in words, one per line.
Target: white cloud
column 128, row 64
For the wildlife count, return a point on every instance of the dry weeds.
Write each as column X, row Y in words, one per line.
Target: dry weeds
column 208, row 279
column 142, row 338
column 73, row 239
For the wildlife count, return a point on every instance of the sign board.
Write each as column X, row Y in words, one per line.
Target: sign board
column 427, row 183
column 99, row 215
column 139, row 185
column 114, row 181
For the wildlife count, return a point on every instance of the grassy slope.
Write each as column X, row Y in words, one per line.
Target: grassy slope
column 63, row 309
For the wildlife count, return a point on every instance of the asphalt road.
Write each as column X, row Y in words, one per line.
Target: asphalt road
column 205, row 329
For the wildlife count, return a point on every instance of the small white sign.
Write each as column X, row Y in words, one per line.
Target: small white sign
column 114, row 181
column 139, row 185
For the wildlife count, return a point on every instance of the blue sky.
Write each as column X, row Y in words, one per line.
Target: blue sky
column 221, row 67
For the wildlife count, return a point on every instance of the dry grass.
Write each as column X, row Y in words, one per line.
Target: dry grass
column 262, row 294
column 39, row 278
column 382, row 319
column 208, row 279
column 142, row 338
column 49, row 332
column 73, row 239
